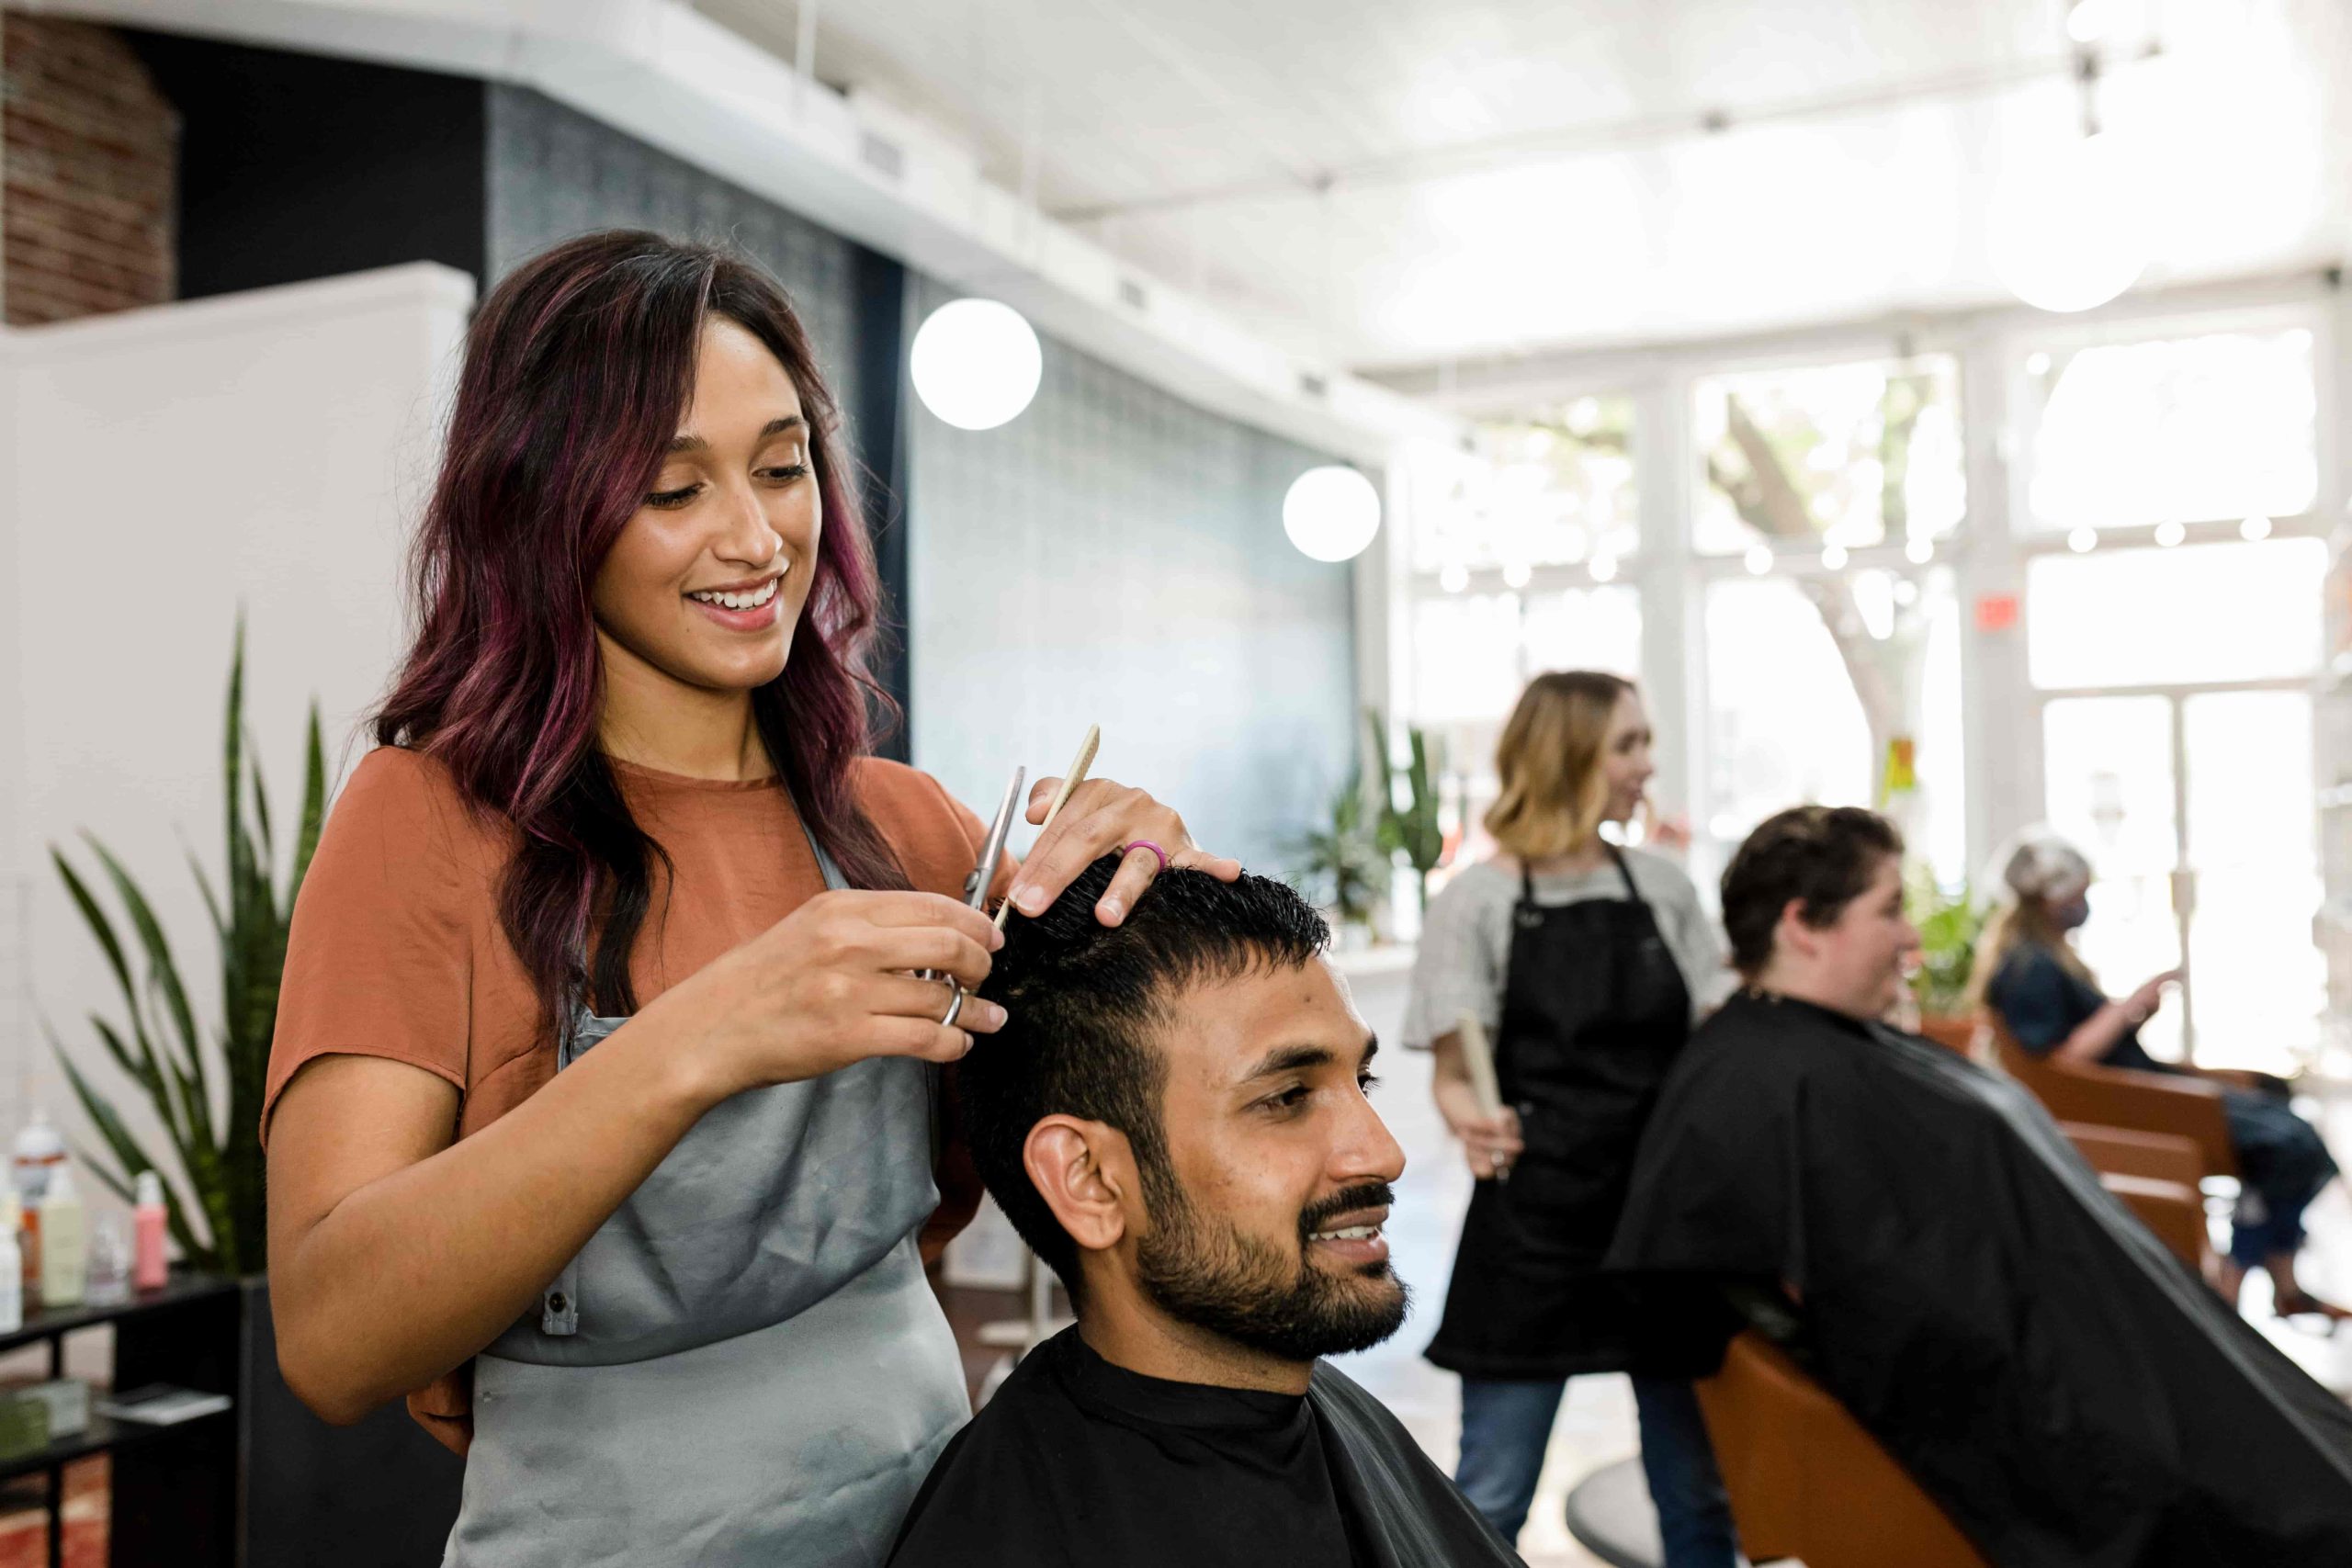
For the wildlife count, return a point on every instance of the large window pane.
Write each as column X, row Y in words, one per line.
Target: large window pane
column 2107, row 772
column 1551, row 488
column 1465, row 657
column 2195, row 614
column 2197, row 428
column 1808, row 681
column 1851, row 455
column 2256, row 981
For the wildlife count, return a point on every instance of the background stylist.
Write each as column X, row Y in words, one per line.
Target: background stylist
column 1585, row 964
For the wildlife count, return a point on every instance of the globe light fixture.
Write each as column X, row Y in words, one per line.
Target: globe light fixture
column 2074, row 231
column 1833, row 557
column 2169, row 534
column 2254, row 529
column 1454, row 577
column 976, row 363
column 1759, row 559
column 2082, row 541
column 1331, row 512
column 1605, row 569
column 1920, row 550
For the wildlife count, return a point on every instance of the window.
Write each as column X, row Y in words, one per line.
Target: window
column 1515, row 546
column 2214, row 428
column 1813, row 681
column 1555, row 488
column 1846, row 455
column 2194, row 614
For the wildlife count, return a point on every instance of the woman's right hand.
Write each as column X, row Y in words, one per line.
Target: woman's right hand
column 1491, row 1144
column 834, row 983
column 2142, row 1003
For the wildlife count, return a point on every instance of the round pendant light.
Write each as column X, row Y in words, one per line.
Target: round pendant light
column 976, row 363
column 1331, row 512
column 2072, row 231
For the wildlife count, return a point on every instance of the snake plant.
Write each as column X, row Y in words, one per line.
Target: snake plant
column 205, row 1088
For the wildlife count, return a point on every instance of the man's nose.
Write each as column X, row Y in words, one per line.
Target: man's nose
column 1367, row 1151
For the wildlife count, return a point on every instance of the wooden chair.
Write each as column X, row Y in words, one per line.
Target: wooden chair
column 2117, row 1096
column 1805, row 1480
column 1955, row 1032
column 2156, row 1175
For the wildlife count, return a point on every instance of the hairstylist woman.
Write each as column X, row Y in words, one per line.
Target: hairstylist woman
column 600, row 1064
column 1586, row 965
column 2029, row 975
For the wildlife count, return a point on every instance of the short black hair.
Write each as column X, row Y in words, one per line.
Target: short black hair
column 1824, row 855
column 1085, row 1006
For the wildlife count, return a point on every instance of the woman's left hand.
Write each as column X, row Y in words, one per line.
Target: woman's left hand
column 1098, row 818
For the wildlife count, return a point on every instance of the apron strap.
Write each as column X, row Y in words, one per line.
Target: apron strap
column 1625, row 872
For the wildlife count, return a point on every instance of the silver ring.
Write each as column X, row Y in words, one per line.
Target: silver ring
column 955, row 1005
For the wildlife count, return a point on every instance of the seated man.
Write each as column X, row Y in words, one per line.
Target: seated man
column 1173, row 1118
column 1919, row 1233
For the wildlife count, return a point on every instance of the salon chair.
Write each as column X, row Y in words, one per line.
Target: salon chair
column 2120, row 1097
column 1805, row 1480
column 1953, row 1033
column 2156, row 1175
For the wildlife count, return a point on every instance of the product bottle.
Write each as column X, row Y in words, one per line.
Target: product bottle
column 108, row 1276
column 28, row 1244
column 39, row 1152
column 12, row 1268
column 61, row 1242
column 148, row 1216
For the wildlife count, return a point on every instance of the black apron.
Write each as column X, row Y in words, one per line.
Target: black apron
column 1595, row 1011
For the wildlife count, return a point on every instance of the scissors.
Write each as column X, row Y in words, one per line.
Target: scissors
column 975, row 886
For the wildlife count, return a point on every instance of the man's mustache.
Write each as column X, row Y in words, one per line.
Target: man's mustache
column 1370, row 1195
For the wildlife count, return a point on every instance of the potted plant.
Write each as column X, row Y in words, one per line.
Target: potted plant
column 1407, row 823
column 381, row 1492
column 1948, row 923
column 1341, row 868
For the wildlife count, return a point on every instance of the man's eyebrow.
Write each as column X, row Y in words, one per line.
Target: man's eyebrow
column 1294, row 1058
column 773, row 427
column 1289, row 1059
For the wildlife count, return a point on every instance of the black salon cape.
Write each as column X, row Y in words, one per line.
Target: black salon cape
column 1075, row 1464
column 2066, row 1389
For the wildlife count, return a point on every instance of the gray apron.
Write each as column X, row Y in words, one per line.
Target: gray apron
column 745, row 1364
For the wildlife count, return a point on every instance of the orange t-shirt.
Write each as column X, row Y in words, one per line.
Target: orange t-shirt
column 396, row 949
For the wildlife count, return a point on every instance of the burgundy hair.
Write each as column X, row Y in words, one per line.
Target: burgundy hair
column 577, row 368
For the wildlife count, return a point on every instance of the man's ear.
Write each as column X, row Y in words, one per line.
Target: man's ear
column 1086, row 1173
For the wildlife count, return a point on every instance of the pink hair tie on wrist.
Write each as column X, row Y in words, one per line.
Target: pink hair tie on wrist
column 1132, row 845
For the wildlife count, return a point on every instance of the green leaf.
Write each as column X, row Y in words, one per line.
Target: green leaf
column 130, row 1157
column 314, row 809
column 100, row 927
column 163, row 971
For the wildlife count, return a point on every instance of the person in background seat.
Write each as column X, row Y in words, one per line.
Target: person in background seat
column 2030, row 978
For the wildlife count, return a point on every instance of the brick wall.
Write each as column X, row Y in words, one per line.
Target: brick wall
column 90, row 156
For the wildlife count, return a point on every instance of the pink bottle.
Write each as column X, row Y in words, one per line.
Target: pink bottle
column 148, row 1270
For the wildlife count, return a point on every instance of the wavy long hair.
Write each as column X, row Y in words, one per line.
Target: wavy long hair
column 577, row 369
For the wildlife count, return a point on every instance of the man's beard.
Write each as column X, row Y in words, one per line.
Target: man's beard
column 1202, row 1271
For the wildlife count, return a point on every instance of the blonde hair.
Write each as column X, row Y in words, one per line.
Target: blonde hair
column 1549, row 759
column 2039, row 867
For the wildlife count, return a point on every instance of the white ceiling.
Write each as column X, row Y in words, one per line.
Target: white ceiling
column 1507, row 175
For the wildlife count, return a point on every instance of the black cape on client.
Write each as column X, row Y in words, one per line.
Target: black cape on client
column 2067, row 1391
column 1077, row 1463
